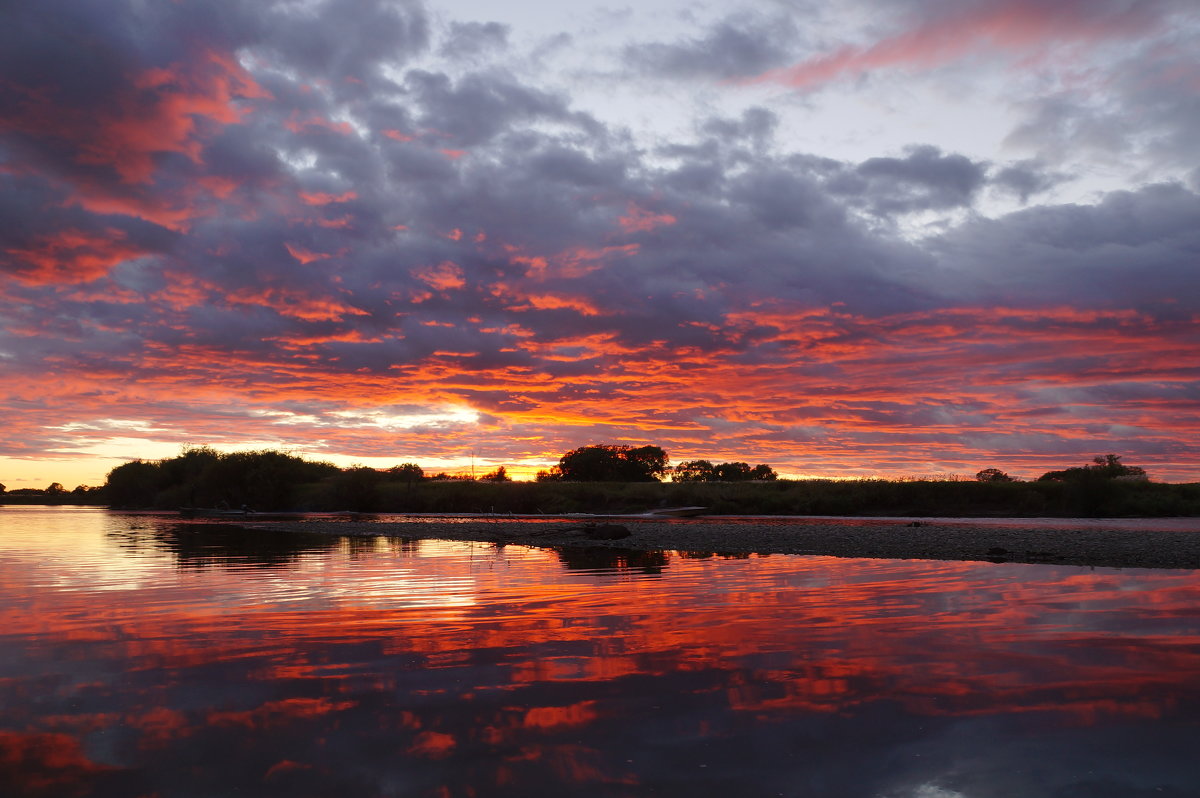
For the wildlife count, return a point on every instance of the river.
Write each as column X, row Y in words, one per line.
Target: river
column 141, row 656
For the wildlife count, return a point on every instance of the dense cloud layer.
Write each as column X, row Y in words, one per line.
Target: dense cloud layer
column 346, row 229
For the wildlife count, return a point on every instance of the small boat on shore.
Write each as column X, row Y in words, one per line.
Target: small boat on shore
column 679, row 512
column 213, row 512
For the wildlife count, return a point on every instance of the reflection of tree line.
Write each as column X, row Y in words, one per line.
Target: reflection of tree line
column 226, row 545
column 205, row 545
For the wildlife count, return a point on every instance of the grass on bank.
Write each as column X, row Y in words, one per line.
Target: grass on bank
column 1106, row 498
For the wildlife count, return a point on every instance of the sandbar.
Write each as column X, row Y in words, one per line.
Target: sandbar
column 1173, row 543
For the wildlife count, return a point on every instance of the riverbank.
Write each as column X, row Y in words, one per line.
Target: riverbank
column 1034, row 541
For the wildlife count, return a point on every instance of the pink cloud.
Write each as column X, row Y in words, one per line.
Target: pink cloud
column 1015, row 26
column 323, row 198
column 638, row 219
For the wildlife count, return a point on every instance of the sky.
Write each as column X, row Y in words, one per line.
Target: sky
column 847, row 239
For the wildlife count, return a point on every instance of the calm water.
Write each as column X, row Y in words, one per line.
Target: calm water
column 139, row 657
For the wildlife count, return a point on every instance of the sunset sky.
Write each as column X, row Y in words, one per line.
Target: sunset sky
column 854, row 238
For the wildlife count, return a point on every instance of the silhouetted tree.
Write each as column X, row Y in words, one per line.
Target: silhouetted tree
column 992, row 475
column 357, row 488
column 499, row 475
column 133, row 484
column 1108, row 466
column 731, row 472
column 407, row 472
column 705, row 471
column 693, row 471
column 608, row 463
column 763, row 473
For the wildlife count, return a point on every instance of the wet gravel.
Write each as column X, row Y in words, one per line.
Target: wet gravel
column 1095, row 545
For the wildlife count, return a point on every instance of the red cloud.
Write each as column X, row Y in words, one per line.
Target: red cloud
column 159, row 112
column 72, row 256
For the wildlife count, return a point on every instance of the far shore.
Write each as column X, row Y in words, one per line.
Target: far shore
column 1092, row 543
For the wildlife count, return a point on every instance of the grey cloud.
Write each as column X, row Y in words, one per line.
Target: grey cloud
column 474, row 39
column 479, row 106
column 1148, row 112
column 1134, row 249
column 344, row 41
column 735, row 47
column 925, row 179
column 756, row 125
column 1024, row 179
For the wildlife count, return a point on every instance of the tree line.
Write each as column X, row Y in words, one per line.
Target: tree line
column 1105, row 466
column 613, row 463
column 607, row 478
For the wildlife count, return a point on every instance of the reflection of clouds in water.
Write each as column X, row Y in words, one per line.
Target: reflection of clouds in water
column 934, row 791
column 504, row 670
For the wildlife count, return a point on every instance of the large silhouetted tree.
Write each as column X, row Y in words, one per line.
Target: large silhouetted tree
column 608, row 463
column 1108, row 466
column 992, row 475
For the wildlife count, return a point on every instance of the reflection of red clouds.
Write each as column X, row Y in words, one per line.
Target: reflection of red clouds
column 46, row 764
column 73, row 256
column 280, row 713
column 553, row 717
column 284, row 767
column 159, row 726
column 434, row 745
column 1018, row 26
column 537, row 670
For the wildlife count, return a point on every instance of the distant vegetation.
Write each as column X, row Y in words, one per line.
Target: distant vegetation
column 54, row 493
column 611, row 479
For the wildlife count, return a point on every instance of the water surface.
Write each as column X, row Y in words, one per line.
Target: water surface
column 140, row 656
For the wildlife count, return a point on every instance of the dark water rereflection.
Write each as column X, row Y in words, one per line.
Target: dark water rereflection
column 137, row 658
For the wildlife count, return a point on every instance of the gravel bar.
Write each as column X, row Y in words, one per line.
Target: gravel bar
column 956, row 539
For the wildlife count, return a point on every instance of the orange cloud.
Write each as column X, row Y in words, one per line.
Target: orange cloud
column 444, row 276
